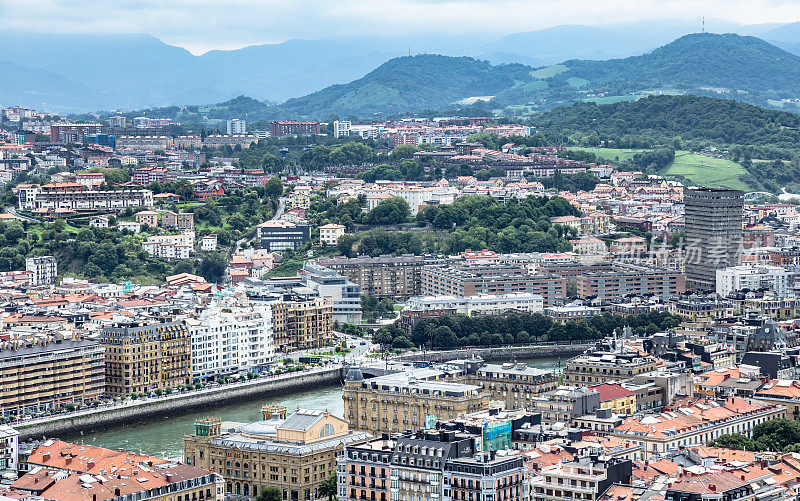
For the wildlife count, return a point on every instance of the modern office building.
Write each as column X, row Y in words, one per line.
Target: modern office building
column 295, row 455
column 142, row 357
column 713, row 219
column 275, row 236
column 102, row 140
column 345, row 296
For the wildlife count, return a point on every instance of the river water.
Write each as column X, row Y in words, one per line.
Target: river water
column 163, row 437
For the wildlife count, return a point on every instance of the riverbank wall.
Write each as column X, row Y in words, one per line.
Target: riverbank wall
column 505, row 353
column 140, row 410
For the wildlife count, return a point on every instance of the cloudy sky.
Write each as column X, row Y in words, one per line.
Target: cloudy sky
column 201, row 25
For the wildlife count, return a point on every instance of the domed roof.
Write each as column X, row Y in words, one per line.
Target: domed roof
column 354, row 374
column 262, row 429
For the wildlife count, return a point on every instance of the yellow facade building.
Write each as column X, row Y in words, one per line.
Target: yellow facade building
column 408, row 400
column 296, row 454
column 145, row 356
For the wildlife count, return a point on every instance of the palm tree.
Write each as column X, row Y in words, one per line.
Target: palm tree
column 328, row 488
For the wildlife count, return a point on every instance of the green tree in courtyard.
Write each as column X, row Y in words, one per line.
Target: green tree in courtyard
column 269, row 494
column 328, row 488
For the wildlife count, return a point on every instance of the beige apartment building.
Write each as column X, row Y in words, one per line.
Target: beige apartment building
column 382, row 276
column 514, row 384
column 143, row 357
column 148, row 217
column 40, row 373
column 329, row 234
column 604, row 367
column 179, row 220
column 408, row 400
column 301, row 324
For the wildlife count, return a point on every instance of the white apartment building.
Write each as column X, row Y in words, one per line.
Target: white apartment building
column 170, row 247
column 43, row 269
column 735, row 278
column 341, row 128
column 229, row 340
column 479, row 303
column 118, row 121
column 237, row 126
column 77, row 197
column 9, row 449
column 418, row 197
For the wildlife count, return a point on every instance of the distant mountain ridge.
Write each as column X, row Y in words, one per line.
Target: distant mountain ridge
column 742, row 68
column 134, row 71
column 703, row 59
column 409, row 83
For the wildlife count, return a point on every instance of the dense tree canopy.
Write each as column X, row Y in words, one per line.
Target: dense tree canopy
column 391, row 211
column 493, row 330
column 778, row 435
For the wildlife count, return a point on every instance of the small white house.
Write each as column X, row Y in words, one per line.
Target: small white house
column 131, row 226
column 208, row 243
column 330, row 233
column 98, row 222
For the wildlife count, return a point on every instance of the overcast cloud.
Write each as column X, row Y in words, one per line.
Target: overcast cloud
column 201, row 25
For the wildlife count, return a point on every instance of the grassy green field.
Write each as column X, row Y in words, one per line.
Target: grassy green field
column 611, row 99
column 577, row 82
column 535, row 85
column 549, row 71
column 611, row 153
column 707, row 171
column 696, row 169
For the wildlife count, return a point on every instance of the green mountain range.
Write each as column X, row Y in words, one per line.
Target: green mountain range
column 730, row 66
column 742, row 68
column 410, row 84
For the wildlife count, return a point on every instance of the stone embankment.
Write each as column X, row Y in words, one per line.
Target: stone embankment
column 143, row 409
